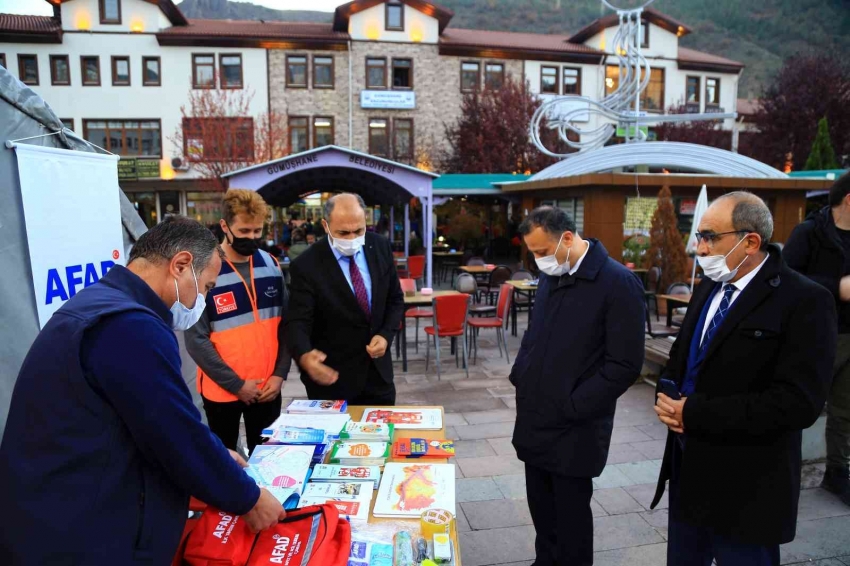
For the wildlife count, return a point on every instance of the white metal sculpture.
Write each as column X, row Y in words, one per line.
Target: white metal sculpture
column 621, row 106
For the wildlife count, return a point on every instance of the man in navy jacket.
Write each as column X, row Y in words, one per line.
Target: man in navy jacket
column 103, row 445
column 583, row 349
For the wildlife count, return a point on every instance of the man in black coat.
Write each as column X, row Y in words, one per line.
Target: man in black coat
column 583, row 349
column 345, row 306
column 753, row 364
column 819, row 248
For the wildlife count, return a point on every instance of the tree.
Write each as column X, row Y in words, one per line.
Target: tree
column 822, row 155
column 666, row 244
column 701, row 132
column 806, row 89
column 219, row 135
column 491, row 135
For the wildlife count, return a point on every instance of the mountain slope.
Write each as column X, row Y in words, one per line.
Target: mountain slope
column 759, row 33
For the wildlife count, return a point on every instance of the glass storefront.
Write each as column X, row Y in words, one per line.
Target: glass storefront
column 204, row 207
column 145, row 204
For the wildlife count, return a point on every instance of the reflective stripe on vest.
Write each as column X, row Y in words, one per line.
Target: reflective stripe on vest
column 244, row 329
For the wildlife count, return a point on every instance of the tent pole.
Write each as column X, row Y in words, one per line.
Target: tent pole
column 430, row 237
column 407, row 229
column 392, row 225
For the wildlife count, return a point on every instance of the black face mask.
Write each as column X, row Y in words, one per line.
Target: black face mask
column 243, row 246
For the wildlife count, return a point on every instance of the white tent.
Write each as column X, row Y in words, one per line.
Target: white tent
column 23, row 114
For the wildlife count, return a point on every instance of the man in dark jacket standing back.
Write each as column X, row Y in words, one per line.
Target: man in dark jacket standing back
column 583, row 349
column 103, row 445
column 819, row 248
column 752, row 366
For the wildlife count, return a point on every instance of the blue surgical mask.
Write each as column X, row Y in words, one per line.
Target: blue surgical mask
column 183, row 317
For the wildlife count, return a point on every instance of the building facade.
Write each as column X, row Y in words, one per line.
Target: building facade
column 384, row 77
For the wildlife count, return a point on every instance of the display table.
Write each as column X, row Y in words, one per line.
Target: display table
column 356, row 413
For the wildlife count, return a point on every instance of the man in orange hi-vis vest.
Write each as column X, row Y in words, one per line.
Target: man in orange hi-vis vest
column 238, row 344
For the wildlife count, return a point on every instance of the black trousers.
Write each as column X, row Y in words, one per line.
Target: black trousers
column 376, row 392
column 223, row 419
column 560, row 510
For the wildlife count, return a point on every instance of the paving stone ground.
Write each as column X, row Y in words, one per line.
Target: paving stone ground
column 493, row 519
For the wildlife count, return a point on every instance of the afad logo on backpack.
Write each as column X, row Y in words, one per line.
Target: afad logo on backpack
column 285, row 550
column 64, row 282
column 225, row 526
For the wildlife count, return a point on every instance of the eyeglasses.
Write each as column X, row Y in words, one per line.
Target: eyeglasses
column 711, row 238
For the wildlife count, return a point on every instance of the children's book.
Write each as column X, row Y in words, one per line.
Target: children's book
column 372, row 432
column 283, row 470
column 423, row 448
column 306, row 406
column 332, row 473
column 407, row 418
column 409, row 488
column 354, row 453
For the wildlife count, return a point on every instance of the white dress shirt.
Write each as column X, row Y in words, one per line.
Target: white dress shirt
column 574, row 267
column 740, row 284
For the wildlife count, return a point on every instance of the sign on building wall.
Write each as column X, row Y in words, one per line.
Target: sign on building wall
column 390, row 99
column 62, row 188
column 130, row 169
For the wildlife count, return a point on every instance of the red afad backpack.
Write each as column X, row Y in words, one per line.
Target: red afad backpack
column 312, row 536
column 219, row 539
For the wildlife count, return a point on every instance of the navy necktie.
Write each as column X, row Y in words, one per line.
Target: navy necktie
column 718, row 317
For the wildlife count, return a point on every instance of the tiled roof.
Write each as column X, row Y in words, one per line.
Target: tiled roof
column 29, row 24
column 249, row 28
column 649, row 14
column 699, row 58
column 343, row 13
column 513, row 41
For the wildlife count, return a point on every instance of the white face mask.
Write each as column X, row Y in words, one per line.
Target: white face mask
column 270, row 243
column 183, row 317
column 549, row 264
column 346, row 247
column 715, row 268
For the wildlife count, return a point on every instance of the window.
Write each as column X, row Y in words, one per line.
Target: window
column 218, row 139
column 68, row 123
column 470, row 76
column 692, row 90
column 120, row 71
column 379, row 137
column 652, row 99
column 299, row 134
column 572, row 206
column 323, row 72
column 296, row 71
column 323, row 131
column 203, row 71
column 712, row 92
column 644, row 34
column 376, row 73
column 125, row 137
column 3, row 60
column 151, row 71
column 394, row 20
column 60, row 70
column 28, row 69
column 549, row 80
column 494, row 75
column 230, row 71
column 402, row 73
column 572, row 81
column 91, row 70
column 403, row 139
column 110, row 11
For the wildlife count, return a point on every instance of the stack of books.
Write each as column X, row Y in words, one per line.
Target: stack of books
column 333, row 473
column 355, row 453
column 423, row 448
column 304, row 406
column 352, row 499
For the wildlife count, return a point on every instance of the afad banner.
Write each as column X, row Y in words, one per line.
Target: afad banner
column 73, row 219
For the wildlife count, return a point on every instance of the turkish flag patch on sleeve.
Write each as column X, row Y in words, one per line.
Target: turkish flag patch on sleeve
column 225, row 302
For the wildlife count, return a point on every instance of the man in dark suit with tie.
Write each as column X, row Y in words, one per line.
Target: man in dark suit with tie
column 753, row 363
column 345, row 306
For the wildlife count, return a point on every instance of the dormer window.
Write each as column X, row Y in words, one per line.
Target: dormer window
column 110, row 11
column 394, row 16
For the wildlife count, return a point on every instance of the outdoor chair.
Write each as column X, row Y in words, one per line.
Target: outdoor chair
column 450, row 315
column 678, row 288
column 653, row 280
column 498, row 276
column 408, row 285
column 499, row 322
column 416, row 267
column 466, row 283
